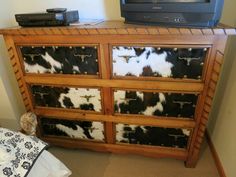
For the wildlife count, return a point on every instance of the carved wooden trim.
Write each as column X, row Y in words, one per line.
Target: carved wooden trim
column 201, row 127
column 120, row 31
column 126, row 119
column 107, row 28
column 18, row 73
column 148, row 151
column 134, row 84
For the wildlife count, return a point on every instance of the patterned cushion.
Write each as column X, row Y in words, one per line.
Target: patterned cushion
column 21, row 151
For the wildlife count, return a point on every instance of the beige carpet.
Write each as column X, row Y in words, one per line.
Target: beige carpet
column 85, row 163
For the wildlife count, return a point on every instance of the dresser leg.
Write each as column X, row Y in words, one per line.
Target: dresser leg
column 191, row 162
column 189, row 165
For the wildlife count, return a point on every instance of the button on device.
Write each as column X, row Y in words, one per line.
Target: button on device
column 147, row 17
column 56, row 10
column 177, row 20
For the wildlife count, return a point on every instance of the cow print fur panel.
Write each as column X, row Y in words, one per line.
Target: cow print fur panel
column 73, row 129
column 71, row 98
column 64, row 60
column 154, row 136
column 158, row 62
column 155, row 104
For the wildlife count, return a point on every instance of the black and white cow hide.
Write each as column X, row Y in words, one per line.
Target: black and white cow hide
column 187, row 63
column 126, row 61
column 158, row 62
column 179, row 105
column 71, row 98
column 86, row 99
column 155, row 136
column 73, row 129
column 66, row 60
column 155, row 104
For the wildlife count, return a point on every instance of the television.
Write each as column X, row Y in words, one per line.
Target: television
column 188, row 13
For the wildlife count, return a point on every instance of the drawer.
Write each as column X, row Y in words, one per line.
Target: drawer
column 179, row 105
column 86, row 130
column 152, row 136
column 67, row 97
column 158, row 62
column 78, row 60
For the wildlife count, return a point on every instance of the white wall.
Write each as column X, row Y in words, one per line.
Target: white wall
column 5, row 109
column 92, row 9
column 11, row 105
column 223, row 117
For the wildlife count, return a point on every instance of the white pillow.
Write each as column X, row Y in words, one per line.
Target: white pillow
column 5, row 156
column 48, row 165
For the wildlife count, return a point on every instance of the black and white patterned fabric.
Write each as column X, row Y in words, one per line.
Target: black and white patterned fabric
column 152, row 136
column 79, row 60
column 67, row 97
column 155, row 103
column 19, row 151
column 158, row 62
column 76, row 129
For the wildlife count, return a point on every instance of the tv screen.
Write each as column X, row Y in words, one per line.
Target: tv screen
column 163, row 1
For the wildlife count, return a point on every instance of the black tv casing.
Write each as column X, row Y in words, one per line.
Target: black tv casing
column 186, row 14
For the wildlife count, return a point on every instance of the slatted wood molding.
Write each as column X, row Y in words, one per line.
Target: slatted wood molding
column 117, row 27
column 204, row 116
column 18, row 73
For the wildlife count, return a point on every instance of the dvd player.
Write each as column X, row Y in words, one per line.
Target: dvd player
column 57, row 18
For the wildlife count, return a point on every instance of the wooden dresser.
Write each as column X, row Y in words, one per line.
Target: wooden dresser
column 120, row 88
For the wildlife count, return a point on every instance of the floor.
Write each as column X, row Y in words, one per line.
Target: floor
column 85, row 163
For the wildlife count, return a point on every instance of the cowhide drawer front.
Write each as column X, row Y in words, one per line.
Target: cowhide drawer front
column 80, row 60
column 67, row 97
column 158, row 62
column 155, row 103
column 153, row 136
column 73, row 128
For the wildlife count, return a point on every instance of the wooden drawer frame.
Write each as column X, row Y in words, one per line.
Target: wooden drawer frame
column 67, row 137
column 154, row 90
column 66, row 109
column 106, row 37
column 207, row 58
column 150, row 151
column 60, row 45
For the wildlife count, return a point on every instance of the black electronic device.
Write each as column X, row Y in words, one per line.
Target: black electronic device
column 188, row 13
column 56, row 10
column 57, row 17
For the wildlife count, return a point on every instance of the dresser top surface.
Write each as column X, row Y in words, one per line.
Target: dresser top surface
column 95, row 27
